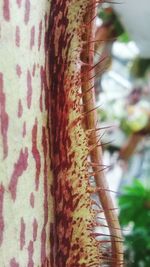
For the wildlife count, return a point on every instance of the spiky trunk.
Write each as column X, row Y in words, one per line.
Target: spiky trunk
column 46, row 212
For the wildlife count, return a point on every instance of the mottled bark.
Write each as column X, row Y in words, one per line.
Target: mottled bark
column 46, row 210
column 74, row 217
column 26, row 206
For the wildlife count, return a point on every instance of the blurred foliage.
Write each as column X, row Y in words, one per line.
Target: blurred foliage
column 109, row 17
column 130, row 118
column 135, row 201
column 102, row 114
column 134, row 122
column 124, row 37
column 140, row 66
column 135, row 208
column 125, row 127
column 138, row 244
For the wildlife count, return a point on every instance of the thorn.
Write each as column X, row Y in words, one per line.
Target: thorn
column 91, row 148
column 99, row 62
column 96, row 164
column 88, row 90
column 111, row 209
column 85, row 64
column 96, row 136
column 96, row 172
column 101, row 40
column 97, row 189
column 106, row 190
column 91, row 20
column 107, row 143
column 98, row 72
column 93, row 109
column 107, row 235
column 90, row 131
column 86, row 102
column 97, row 142
column 92, row 67
column 104, row 225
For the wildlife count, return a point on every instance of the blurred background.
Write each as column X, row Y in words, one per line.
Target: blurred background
column 122, row 87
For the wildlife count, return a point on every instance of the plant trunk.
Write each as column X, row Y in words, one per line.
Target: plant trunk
column 26, row 204
column 46, row 212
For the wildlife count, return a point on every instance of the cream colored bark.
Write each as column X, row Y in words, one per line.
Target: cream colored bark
column 25, row 178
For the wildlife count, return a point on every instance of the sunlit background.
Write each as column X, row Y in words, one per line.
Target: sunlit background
column 122, row 87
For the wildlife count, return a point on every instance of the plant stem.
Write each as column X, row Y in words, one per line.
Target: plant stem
column 96, row 154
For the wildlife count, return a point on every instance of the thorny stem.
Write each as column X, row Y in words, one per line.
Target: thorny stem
column 96, row 154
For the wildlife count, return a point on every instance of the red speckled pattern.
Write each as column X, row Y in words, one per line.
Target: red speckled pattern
column 26, row 205
column 74, row 216
column 44, row 145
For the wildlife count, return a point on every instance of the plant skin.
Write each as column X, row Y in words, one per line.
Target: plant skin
column 26, row 204
column 47, row 217
column 75, row 246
